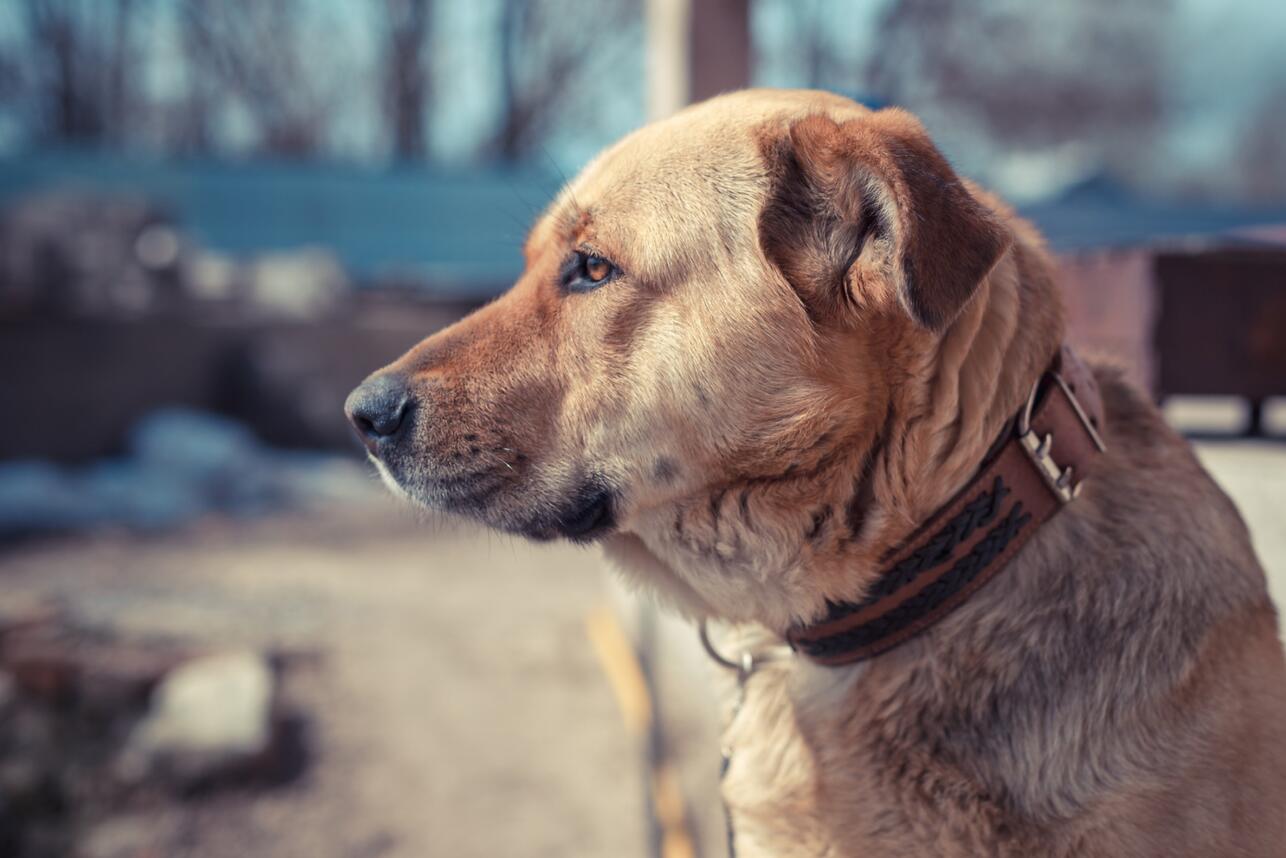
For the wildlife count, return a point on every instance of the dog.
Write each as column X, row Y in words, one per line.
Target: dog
column 756, row 349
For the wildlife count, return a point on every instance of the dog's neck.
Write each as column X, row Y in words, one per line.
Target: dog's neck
column 843, row 504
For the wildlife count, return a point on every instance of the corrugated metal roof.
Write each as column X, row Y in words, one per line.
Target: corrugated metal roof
column 1099, row 215
column 461, row 230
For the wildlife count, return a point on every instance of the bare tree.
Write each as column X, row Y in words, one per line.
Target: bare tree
column 65, row 82
column 1032, row 74
column 1260, row 162
column 546, row 61
column 821, row 65
column 187, row 121
column 120, row 69
column 249, row 74
column 78, row 72
column 253, row 51
column 406, row 78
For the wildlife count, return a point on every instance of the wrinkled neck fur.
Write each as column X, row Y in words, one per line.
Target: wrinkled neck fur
column 775, row 551
column 974, row 381
column 955, row 405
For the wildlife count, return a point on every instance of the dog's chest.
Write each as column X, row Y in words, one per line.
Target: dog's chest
column 776, row 783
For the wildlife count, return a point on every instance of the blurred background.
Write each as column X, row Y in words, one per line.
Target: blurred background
column 219, row 637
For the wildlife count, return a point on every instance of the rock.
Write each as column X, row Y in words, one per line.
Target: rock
column 209, row 717
column 211, row 276
column 300, row 284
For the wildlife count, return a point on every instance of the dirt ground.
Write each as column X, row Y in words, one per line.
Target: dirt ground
column 455, row 703
column 456, row 708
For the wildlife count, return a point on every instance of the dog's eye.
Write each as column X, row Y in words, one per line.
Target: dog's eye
column 585, row 271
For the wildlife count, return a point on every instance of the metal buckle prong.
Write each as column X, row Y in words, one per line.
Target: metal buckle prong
column 1059, row 479
column 1039, row 447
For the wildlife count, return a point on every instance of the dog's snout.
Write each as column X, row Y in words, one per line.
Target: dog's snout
column 378, row 409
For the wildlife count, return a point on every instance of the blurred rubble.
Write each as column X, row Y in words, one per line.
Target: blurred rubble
column 96, row 254
column 97, row 723
column 110, row 309
column 208, row 717
column 86, row 253
column 301, row 284
column 415, row 669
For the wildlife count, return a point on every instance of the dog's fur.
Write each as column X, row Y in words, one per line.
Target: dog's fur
column 817, row 331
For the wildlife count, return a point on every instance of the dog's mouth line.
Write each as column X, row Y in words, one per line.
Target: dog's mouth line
column 590, row 514
column 465, row 490
column 453, row 481
column 590, row 520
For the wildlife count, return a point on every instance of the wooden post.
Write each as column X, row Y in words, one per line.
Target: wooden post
column 667, row 56
column 719, row 47
column 695, row 49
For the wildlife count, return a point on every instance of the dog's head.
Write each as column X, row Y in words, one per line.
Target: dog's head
column 726, row 296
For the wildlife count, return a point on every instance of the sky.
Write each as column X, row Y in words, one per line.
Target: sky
column 1226, row 58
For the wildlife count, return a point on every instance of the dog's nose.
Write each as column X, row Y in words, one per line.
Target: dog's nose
column 378, row 408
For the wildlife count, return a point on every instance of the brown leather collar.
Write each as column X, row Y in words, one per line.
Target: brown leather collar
column 1036, row 467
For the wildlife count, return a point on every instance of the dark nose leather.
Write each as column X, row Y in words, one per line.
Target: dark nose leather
column 378, row 409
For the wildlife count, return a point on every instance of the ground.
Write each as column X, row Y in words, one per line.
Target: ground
column 457, row 707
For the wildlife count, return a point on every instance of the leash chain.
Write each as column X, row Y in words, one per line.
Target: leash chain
column 745, row 667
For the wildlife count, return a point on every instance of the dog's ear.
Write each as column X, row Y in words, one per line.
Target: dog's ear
column 869, row 210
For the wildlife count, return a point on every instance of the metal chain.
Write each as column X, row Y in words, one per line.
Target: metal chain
column 745, row 667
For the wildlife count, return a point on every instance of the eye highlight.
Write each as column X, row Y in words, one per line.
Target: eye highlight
column 585, row 271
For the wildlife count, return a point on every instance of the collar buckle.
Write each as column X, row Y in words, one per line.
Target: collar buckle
column 1039, row 447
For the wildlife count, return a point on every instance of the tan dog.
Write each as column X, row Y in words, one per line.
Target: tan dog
column 754, row 347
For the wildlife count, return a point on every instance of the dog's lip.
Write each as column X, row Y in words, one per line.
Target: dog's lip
column 589, row 512
column 466, row 480
column 465, row 492
column 592, row 518
column 461, row 491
